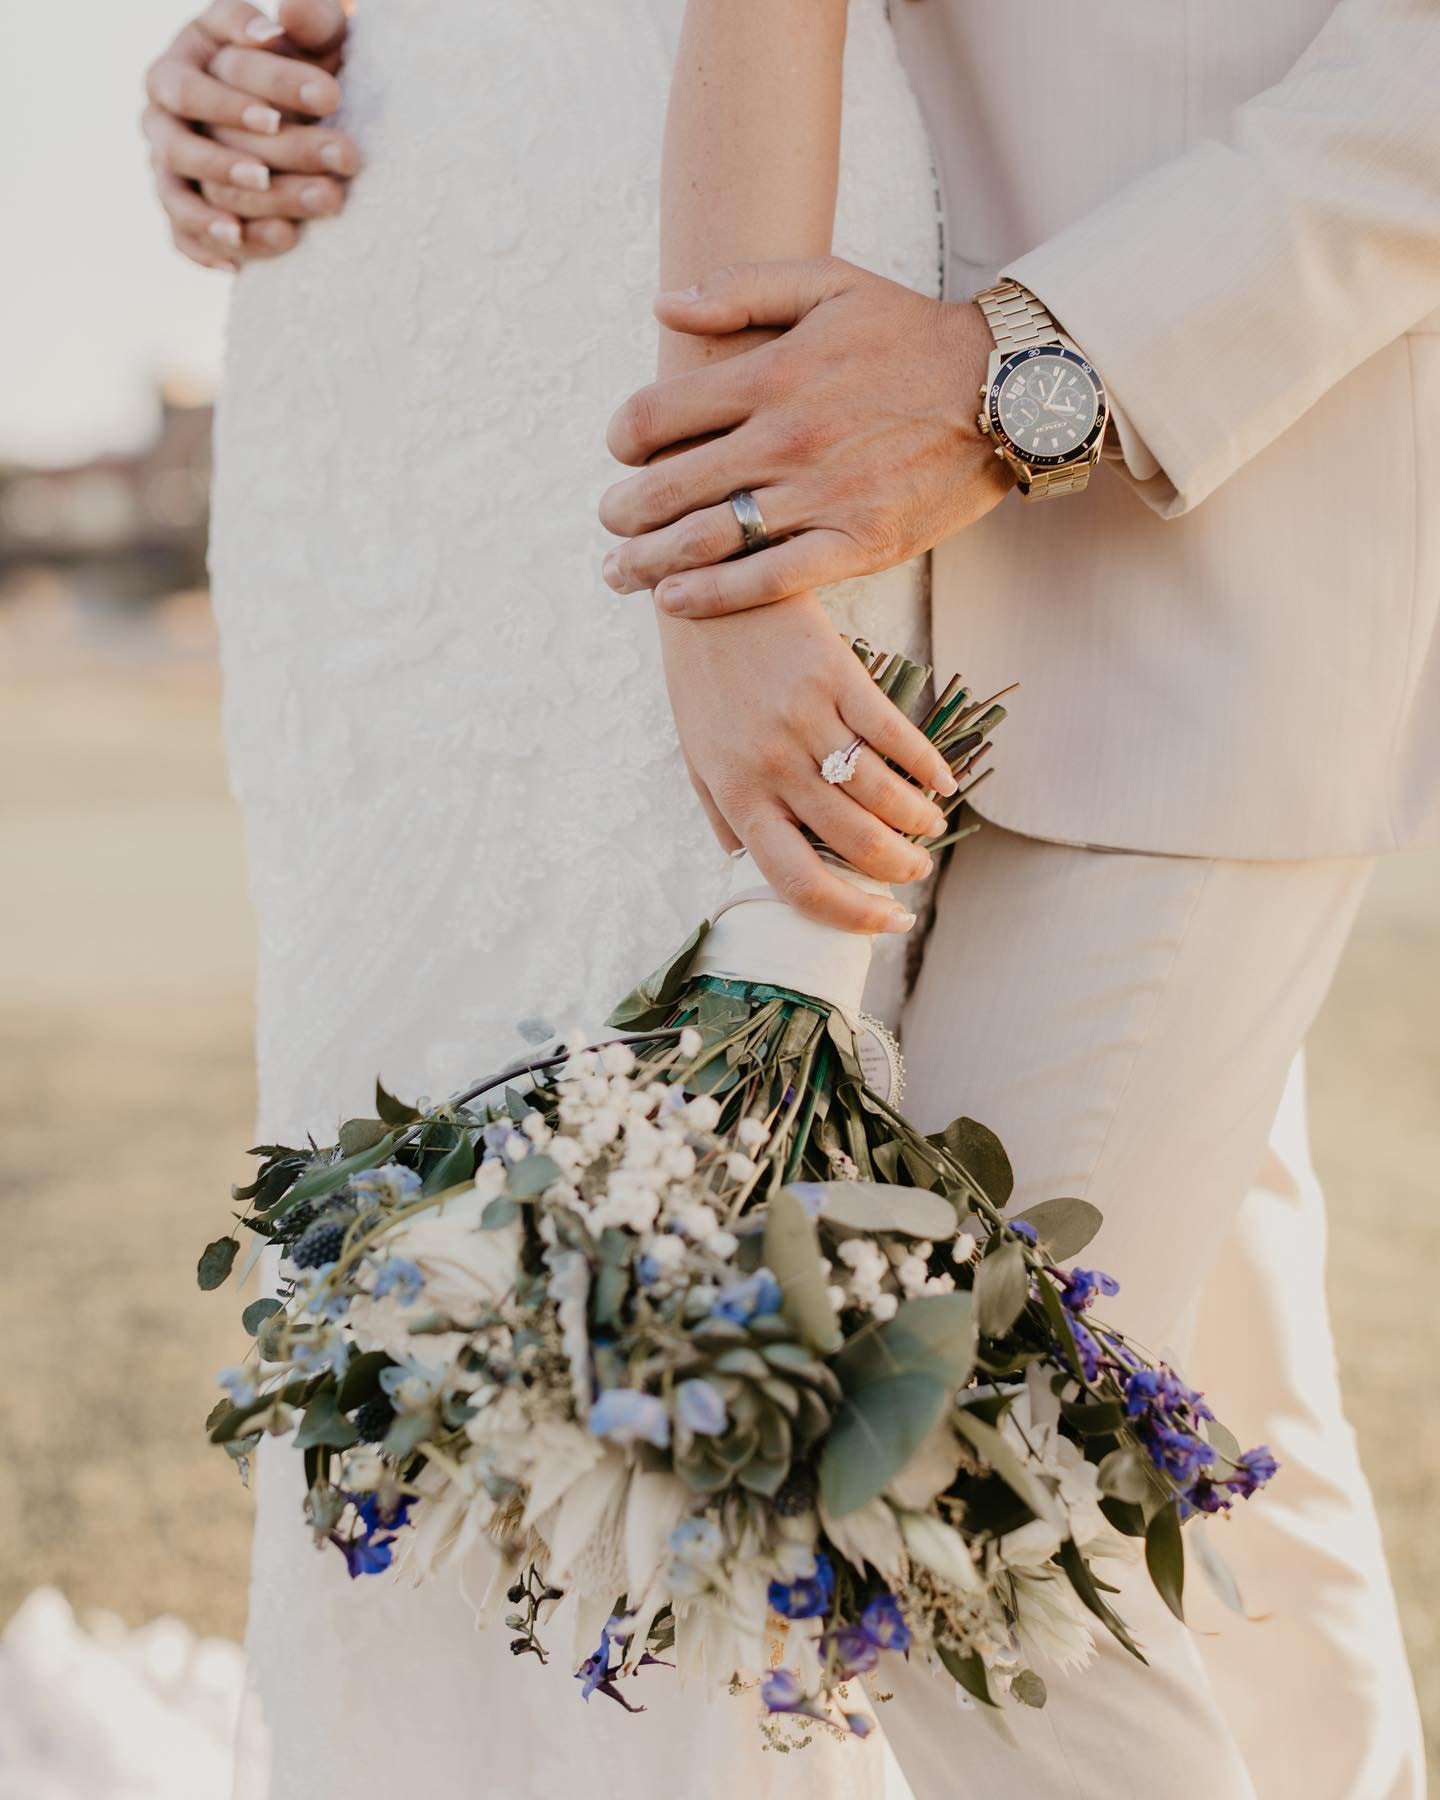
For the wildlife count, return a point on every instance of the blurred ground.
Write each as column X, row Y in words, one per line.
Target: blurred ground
column 125, row 1091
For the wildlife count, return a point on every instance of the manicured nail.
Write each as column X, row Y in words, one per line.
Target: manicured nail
column 314, row 197
column 333, row 158
column 226, row 231
column 253, row 175
column 264, row 31
column 899, row 920
column 610, row 569
column 315, row 96
column 263, row 119
column 948, row 786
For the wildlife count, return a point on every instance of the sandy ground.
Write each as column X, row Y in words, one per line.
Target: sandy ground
column 126, row 1090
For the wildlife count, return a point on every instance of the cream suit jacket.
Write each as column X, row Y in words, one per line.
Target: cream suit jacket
column 1228, row 645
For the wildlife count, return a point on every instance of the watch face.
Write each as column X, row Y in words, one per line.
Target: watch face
column 1049, row 403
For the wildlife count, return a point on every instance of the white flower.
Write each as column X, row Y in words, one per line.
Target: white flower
column 869, row 1535
column 691, row 1042
column 703, row 1112
column 739, row 1166
column 912, row 1274
column 964, row 1247
column 617, row 1059
column 490, row 1178
column 535, row 1129
column 751, row 1133
column 723, row 1244
column 939, row 1548
column 884, row 1306
column 1050, row 1620
column 839, row 1299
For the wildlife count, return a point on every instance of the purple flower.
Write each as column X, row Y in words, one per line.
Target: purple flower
column 884, row 1624
column 858, row 1725
column 806, row 1598
column 626, row 1416
column 782, row 1691
column 369, row 1551
column 1088, row 1348
column 1253, row 1470
column 1023, row 1228
column 855, row 1650
column 1082, row 1285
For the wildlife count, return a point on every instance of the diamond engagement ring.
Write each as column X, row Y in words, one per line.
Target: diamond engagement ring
column 839, row 765
column 748, row 517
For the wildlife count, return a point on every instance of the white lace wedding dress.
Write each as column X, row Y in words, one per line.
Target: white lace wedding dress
column 468, row 820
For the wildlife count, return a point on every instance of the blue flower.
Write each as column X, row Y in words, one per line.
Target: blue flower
column 596, row 1667
column 1179, row 1453
column 400, row 1276
column 884, row 1624
column 858, row 1725
column 1088, row 1348
column 806, row 1598
column 697, row 1540
column 626, row 1416
column 700, row 1407
column 782, row 1691
column 855, row 1650
column 756, row 1295
column 1023, row 1228
column 239, row 1383
column 1082, row 1285
column 369, row 1552
column 392, row 1183
column 1253, row 1470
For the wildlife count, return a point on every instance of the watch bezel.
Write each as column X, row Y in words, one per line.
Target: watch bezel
column 1008, row 366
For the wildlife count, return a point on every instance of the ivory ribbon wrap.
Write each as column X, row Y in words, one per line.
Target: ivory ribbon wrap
column 756, row 936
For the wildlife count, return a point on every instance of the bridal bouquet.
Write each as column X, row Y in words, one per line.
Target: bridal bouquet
column 710, row 1358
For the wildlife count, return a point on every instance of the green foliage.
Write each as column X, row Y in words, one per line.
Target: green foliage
column 876, row 1432
column 1064, row 1227
column 1165, row 1557
column 1002, row 1286
column 792, row 1255
column 216, row 1261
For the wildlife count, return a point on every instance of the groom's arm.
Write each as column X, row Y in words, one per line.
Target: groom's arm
column 1223, row 293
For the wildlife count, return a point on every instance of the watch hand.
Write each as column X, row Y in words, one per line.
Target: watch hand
column 1059, row 377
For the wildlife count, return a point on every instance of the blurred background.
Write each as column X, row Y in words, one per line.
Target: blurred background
column 125, row 987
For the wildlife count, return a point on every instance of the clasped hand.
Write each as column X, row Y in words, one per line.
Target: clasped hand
column 855, row 430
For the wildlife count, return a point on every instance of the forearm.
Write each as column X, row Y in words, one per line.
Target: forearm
column 752, row 148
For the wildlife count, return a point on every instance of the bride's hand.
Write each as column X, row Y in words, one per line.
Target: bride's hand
column 760, row 699
column 238, row 167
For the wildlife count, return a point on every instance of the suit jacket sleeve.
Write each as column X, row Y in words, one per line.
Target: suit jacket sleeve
column 1223, row 293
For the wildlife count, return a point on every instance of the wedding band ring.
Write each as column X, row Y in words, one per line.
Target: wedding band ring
column 748, row 517
column 839, row 766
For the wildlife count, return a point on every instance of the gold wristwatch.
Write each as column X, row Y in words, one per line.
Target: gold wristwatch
column 1042, row 402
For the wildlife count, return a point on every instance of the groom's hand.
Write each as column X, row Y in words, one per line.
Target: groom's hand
column 855, row 430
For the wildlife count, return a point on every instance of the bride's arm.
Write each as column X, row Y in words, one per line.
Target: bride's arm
column 750, row 167
column 752, row 147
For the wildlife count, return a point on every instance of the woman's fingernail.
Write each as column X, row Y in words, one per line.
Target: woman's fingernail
column 899, row 920
column 610, row 568
column 263, row 119
column 315, row 197
column 673, row 596
column 226, row 231
column 333, row 158
column 948, row 786
column 315, row 96
column 264, row 31
column 253, row 175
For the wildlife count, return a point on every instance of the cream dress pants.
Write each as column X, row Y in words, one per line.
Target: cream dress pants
column 1130, row 1026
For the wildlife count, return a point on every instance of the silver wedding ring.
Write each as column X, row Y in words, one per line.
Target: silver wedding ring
column 839, row 766
column 751, row 523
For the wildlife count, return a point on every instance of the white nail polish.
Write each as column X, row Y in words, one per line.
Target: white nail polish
column 315, row 96
column 900, row 920
column 252, row 175
column 264, row 31
column 314, row 198
column 225, row 231
column 333, row 157
column 263, row 119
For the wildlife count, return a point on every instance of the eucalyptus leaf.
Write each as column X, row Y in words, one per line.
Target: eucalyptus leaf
column 933, row 1334
column 981, row 1155
column 499, row 1211
column 406, row 1434
column 1223, row 1439
column 531, row 1176
column 257, row 1312
column 216, row 1261
column 361, row 1380
column 1064, row 1227
column 875, row 1434
column 1002, row 1286
column 1028, row 1688
column 880, row 1206
column 325, row 1424
column 457, row 1165
column 1217, row 1572
column 792, row 1255
column 1165, row 1557
column 360, row 1134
